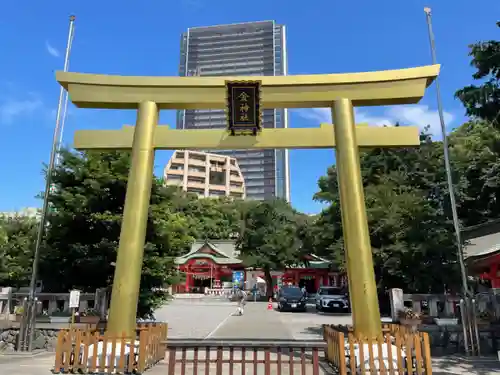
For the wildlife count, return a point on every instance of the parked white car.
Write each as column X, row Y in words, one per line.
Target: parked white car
column 330, row 298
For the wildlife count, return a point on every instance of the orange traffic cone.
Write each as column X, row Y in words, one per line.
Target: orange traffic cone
column 270, row 304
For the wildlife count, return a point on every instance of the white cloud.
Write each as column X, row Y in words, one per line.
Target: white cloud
column 421, row 116
column 416, row 115
column 324, row 115
column 52, row 50
column 11, row 109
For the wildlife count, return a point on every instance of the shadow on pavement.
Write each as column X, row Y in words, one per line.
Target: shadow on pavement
column 314, row 330
column 323, row 313
column 464, row 365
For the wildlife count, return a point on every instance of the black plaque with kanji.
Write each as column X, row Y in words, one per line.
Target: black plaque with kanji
column 243, row 107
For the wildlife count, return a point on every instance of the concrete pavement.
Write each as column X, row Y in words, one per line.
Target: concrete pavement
column 259, row 323
column 37, row 365
column 460, row 365
column 196, row 318
column 308, row 326
column 255, row 323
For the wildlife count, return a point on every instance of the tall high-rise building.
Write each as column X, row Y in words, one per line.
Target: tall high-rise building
column 249, row 49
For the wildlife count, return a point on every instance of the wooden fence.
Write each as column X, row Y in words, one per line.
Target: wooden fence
column 217, row 357
column 91, row 351
column 397, row 351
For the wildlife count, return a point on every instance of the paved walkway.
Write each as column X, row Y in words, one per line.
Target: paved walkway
column 38, row 365
column 308, row 326
column 194, row 318
column 255, row 323
column 459, row 365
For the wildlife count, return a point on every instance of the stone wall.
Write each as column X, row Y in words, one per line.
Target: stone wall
column 450, row 339
column 44, row 339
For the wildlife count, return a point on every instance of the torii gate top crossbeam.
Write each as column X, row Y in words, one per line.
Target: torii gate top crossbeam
column 390, row 87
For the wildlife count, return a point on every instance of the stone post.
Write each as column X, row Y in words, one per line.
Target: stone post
column 397, row 302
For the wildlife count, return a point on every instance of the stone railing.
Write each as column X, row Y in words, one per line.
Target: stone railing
column 51, row 302
column 449, row 302
column 433, row 300
column 219, row 291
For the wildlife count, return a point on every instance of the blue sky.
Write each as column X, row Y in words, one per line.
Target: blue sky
column 143, row 38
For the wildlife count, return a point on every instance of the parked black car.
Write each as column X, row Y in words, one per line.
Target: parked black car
column 291, row 298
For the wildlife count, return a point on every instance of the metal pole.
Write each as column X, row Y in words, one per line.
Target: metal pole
column 48, row 182
column 61, row 134
column 465, row 323
column 66, row 99
column 456, row 224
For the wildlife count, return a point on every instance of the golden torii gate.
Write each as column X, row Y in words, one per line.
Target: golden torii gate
column 340, row 92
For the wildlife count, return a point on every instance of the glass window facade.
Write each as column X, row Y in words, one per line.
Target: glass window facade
column 255, row 48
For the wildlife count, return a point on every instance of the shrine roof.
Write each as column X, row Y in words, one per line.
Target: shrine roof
column 482, row 241
column 225, row 252
column 313, row 261
column 221, row 252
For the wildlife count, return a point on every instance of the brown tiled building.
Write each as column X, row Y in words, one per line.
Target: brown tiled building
column 208, row 175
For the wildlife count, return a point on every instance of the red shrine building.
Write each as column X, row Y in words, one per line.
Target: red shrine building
column 482, row 253
column 211, row 264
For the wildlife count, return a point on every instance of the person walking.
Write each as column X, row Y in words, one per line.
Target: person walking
column 241, row 298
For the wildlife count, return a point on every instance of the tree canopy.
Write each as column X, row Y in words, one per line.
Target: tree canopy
column 269, row 237
column 17, row 242
column 84, row 227
column 483, row 101
column 404, row 199
column 406, row 191
column 86, row 203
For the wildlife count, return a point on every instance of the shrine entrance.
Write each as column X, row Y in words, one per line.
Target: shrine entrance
column 200, row 282
column 208, row 265
column 310, row 283
column 339, row 92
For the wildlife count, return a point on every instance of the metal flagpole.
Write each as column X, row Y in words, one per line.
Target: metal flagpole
column 66, row 99
column 31, row 313
column 61, row 133
column 446, row 151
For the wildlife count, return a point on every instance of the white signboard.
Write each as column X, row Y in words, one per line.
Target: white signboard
column 74, row 299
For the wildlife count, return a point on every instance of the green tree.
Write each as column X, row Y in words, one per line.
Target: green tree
column 269, row 239
column 475, row 151
column 483, row 101
column 17, row 241
column 410, row 229
column 84, row 228
column 212, row 218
